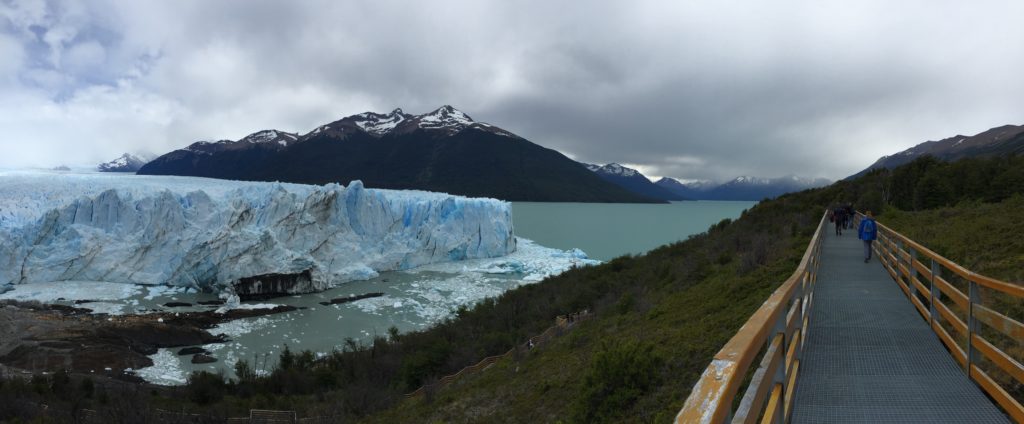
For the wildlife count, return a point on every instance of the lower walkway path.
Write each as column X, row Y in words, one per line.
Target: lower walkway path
column 871, row 358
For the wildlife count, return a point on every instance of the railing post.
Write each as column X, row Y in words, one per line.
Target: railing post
column 973, row 298
column 899, row 260
column 935, row 294
column 802, row 312
column 780, row 371
column 880, row 247
column 911, row 254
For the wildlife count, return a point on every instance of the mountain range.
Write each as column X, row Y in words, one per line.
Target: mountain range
column 632, row 180
column 1003, row 140
column 742, row 188
column 444, row 150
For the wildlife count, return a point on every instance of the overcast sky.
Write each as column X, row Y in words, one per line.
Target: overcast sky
column 688, row 89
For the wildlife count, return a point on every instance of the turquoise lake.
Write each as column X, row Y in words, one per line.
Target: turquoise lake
column 608, row 230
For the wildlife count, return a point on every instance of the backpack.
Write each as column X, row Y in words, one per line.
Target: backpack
column 869, row 226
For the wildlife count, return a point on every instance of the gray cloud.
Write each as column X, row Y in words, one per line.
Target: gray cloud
column 684, row 90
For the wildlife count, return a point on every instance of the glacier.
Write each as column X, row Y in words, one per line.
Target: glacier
column 232, row 236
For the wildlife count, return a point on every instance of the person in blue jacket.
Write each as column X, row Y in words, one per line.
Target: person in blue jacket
column 868, row 232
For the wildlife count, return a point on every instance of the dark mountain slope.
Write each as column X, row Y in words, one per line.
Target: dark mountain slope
column 695, row 190
column 998, row 141
column 443, row 151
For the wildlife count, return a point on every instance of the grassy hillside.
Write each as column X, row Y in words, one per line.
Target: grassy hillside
column 987, row 238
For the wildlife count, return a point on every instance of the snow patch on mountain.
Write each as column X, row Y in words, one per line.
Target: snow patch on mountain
column 125, row 163
column 613, row 169
column 691, row 184
column 750, row 180
column 379, row 124
column 444, row 117
column 209, row 234
column 446, row 120
column 267, row 136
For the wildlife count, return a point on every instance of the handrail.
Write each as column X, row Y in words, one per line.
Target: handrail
column 899, row 255
column 780, row 324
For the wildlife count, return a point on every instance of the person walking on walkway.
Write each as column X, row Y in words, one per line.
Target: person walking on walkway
column 839, row 215
column 868, row 231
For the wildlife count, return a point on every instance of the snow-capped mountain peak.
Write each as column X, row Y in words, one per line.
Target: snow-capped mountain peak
column 612, row 169
column 743, row 179
column 268, row 136
column 617, row 169
column 125, row 163
column 696, row 184
column 444, row 117
column 379, row 124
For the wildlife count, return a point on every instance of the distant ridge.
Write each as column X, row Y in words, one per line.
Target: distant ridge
column 444, row 150
column 1003, row 140
column 695, row 190
column 742, row 188
column 632, row 180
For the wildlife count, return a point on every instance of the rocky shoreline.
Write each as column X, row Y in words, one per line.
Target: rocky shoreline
column 39, row 337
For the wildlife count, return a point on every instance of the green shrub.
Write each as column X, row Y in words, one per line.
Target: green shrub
column 205, row 387
column 618, row 375
column 87, row 387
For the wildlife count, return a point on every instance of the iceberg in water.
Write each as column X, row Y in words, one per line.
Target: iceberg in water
column 231, row 236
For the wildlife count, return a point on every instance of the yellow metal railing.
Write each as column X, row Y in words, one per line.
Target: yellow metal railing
column 779, row 327
column 926, row 287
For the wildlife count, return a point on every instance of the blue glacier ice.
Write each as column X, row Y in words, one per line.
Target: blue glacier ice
column 207, row 234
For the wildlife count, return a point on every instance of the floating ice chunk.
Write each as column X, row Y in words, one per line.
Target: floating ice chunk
column 166, row 369
column 154, row 291
column 239, row 327
column 531, row 259
column 231, row 301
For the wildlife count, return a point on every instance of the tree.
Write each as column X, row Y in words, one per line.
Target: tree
column 619, row 375
column 931, row 191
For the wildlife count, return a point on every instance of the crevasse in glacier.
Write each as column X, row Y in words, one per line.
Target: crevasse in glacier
column 212, row 234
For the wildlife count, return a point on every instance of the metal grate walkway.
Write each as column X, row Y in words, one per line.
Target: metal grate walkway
column 871, row 358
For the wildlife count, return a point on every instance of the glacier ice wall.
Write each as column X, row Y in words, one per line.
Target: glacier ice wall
column 209, row 233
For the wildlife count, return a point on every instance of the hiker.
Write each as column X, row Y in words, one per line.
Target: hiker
column 840, row 219
column 868, row 231
column 850, row 214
